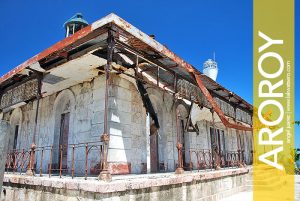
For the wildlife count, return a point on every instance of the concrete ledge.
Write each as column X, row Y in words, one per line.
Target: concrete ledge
column 119, row 183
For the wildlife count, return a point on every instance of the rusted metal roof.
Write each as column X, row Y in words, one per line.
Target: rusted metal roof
column 138, row 40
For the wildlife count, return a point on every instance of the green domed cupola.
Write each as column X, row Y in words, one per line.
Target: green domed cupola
column 74, row 24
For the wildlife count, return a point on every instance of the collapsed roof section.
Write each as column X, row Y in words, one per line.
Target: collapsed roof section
column 82, row 56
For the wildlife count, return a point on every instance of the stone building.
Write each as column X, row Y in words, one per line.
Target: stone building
column 111, row 100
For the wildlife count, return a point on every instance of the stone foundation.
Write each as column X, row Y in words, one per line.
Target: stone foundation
column 202, row 186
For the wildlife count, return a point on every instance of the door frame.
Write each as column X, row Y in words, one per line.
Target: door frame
column 62, row 139
column 154, row 156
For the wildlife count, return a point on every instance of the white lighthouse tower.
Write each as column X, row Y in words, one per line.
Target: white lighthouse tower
column 210, row 69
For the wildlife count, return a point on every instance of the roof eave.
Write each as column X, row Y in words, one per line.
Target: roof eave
column 111, row 18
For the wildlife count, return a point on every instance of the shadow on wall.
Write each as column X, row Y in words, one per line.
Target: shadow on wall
column 127, row 126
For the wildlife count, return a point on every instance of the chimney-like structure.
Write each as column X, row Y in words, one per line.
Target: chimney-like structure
column 210, row 69
column 74, row 24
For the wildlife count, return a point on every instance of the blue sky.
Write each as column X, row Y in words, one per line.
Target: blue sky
column 192, row 29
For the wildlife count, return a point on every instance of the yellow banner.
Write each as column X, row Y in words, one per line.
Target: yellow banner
column 273, row 129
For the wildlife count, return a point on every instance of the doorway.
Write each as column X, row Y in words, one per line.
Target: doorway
column 16, row 137
column 182, row 140
column 217, row 138
column 221, row 141
column 63, row 140
column 241, row 145
column 153, row 148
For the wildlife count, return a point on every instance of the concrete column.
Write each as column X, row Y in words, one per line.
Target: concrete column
column 4, row 133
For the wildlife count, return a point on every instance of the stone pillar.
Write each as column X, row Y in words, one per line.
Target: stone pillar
column 4, row 133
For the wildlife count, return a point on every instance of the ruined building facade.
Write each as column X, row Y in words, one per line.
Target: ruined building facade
column 109, row 100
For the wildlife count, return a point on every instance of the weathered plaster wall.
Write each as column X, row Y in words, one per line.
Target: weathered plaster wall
column 127, row 125
column 85, row 102
column 165, row 108
column 4, row 133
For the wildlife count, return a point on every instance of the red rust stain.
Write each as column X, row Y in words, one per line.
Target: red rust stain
column 197, row 75
column 216, row 107
column 177, row 59
column 56, row 47
column 125, row 24
column 120, row 168
column 138, row 44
